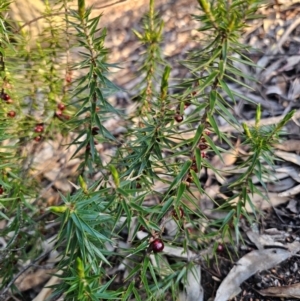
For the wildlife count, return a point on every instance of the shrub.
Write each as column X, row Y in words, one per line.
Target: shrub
column 139, row 211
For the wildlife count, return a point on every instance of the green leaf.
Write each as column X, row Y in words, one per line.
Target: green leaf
column 196, row 181
column 212, row 100
column 213, row 124
column 208, row 81
column 115, row 175
column 180, row 191
column 227, row 90
column 184, row 170
column 198, row 135
column 165, row 208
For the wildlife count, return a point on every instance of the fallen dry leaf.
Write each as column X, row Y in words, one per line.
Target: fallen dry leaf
column 289, row 145
column 250, row 264
column 288, row 157
column 290, row 291
column 194, row 290
column 263, row 240
column 262, row 203
column 290, row 192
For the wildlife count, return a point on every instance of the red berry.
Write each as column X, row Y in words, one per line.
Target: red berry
column 1, row 190
column 178, row 118
column 142, row 228
column 186, row 105
column 95, row 130
column 61, row 106
column 138, row 185
column 203, row 146
column 58, row 113
column 5, row 96
column 157, row 245
column 220, row 248
column 11, row 114
column 39, row 128
column 181, row 213
column 203, row 155
column 38, row 138
column 194, row 167
column 68, row 77
column 189, row 179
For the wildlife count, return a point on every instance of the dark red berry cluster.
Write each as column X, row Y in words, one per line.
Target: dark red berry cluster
column 59, row 112
column 5, row 97
column 39, row 129
column 203, row 144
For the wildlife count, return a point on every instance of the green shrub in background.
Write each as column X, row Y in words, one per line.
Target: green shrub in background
column 39, row 101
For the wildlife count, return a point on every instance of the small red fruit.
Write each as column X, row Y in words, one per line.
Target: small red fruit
column 11, row 114
column 178, row 118
column 61, row 106
column 1, row 190
column 95, row 130
column 68, row 77
column 186, row 105
column 142, row 228
column 37, row 138
column 203, row 155
column 138, row 185
column 202, row 146
column 194, row 167
column 39, row 128
column 220, row 248
column 58, row 113
column 157, row 245
column 5, row 96
column 189, row 179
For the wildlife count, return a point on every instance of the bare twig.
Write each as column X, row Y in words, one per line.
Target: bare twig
column 4, row 291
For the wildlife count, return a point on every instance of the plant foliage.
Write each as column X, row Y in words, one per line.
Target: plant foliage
column 113, row 221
